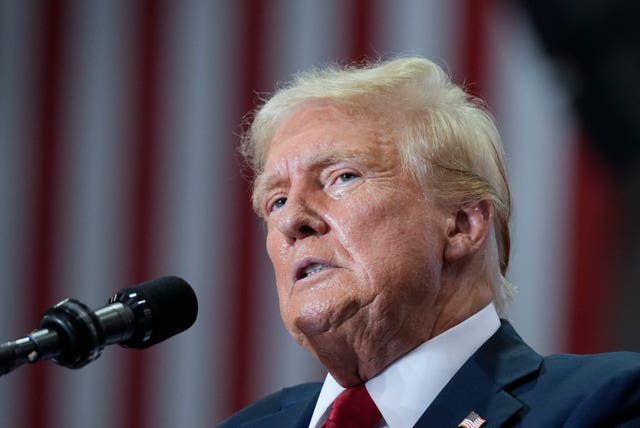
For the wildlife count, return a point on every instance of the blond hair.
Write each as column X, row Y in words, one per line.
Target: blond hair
column 446, row 138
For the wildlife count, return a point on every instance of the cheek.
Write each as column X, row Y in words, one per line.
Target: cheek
column 376, row 223
column 276, row 251
column 280, row 267
column 400, row 240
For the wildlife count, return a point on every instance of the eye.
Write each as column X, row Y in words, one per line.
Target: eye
column 347, row 176
column 277, row 204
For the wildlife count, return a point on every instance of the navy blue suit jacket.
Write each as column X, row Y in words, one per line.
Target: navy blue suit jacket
column 505, row 382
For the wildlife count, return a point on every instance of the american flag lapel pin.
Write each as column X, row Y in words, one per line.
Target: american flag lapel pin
column 472, row 420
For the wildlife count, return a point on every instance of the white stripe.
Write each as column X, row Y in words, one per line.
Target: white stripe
column 93, row 196
column 16, row 103
column 532, row 110
column 305, row 33
column 427, row 28
column 196, row 153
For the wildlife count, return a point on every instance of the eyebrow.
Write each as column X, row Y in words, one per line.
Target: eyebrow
column 318, row 160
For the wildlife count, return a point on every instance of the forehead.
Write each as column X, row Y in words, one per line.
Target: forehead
column 323, row 119
column 318, row 134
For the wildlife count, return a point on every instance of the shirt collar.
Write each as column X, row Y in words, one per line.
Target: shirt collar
column 406, row 388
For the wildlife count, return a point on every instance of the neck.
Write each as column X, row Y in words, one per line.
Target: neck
column 360, row 349
column 355, row 360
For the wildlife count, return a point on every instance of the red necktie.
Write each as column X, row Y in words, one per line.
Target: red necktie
column 353, row 408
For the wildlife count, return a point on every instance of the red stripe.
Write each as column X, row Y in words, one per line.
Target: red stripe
column 361, row 24
column 135, row 395
column 595, row 240
column 242, row 297
column 46, row 146
column 473, row 46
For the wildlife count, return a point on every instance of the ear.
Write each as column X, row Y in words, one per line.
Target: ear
column 468, row 231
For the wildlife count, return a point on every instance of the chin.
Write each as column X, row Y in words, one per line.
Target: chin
column 313, row 320
column 316, row 316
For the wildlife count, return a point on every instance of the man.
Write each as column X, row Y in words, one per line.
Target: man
column 387, row 206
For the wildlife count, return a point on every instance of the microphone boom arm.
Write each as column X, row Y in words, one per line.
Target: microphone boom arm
column 72, row 335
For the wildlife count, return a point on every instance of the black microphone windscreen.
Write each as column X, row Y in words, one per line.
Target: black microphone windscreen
column 163, row 307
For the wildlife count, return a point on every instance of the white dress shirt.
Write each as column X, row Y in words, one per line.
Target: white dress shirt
column 406, row 388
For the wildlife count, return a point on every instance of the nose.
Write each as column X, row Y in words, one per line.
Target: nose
column 300, row 218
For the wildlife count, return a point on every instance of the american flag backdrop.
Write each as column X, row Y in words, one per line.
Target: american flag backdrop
column 119, row 122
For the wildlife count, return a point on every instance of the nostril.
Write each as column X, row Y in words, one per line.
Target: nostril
column 306, row 230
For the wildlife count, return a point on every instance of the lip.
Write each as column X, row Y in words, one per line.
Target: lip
column 304, row 263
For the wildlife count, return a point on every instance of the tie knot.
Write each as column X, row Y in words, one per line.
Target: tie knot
column 353, row 408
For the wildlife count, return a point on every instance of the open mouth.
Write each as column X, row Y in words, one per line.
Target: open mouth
column 310, row 266
column 311, row 270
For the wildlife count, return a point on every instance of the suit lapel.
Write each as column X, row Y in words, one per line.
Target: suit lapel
column 482, row 383
column 295, row 412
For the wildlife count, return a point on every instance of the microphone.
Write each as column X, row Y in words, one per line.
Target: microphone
column 72, row 335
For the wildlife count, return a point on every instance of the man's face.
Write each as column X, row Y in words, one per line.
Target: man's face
column 356, row 247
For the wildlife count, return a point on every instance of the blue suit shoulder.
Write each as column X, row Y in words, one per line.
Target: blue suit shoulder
column 584, row 390
column 511, row 385
column 598, row 365
column 289, row 407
